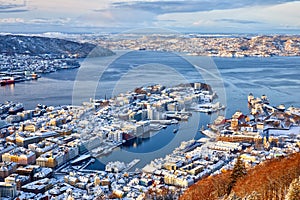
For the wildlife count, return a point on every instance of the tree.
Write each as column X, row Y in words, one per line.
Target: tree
column 294, row 190
column 239, row 170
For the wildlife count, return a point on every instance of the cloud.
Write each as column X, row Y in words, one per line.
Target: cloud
column 54, row 21
column 180, row 6
column 14, row 10
column 239, row 21
column 263, row 19
column 11, row 20
column 195, row 15
column 11, row 6
column 37, row 21
column 125, row 17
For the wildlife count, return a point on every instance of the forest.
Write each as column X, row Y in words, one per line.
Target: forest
column 276, row 179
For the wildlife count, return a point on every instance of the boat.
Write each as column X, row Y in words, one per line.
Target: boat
column 16, row 108
column 5, row 107
column 174, row 121
column 127, row 136
column 155, row 127
column 7, row 80
column 281, row 107
column 35, row 76
column 18, row 78
column 175, row 130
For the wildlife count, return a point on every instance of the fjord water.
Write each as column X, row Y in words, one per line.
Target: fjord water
column 277, row 77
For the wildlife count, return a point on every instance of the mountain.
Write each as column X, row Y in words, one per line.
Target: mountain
column 34, row 45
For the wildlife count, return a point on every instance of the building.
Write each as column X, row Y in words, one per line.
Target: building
column 20, row 155
column 7, row 168
column 17, row 179
column 38, row 187
column 6, row 147
column 8, row 190
column 24, row 140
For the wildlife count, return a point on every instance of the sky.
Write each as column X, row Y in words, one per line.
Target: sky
column 203, row 16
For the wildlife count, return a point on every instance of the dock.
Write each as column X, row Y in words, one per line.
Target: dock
column 80, row 159
column 131, row 165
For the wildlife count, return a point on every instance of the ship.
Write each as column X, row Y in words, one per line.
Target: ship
column 16, row 108
column 7, row 80
column 127, row 136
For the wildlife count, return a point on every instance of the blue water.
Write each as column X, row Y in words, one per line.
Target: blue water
column 277, row 77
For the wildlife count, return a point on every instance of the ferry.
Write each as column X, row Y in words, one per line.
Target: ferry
column 7, row 80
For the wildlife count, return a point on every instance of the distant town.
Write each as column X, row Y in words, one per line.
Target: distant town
column 22, row 62
column 44, row 152
column 205, row 45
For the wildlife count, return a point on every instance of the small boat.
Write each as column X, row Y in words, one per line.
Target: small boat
column 175, row 130
column 16, row 108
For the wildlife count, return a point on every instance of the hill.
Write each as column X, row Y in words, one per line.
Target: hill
column 269, row 180
column 34, row 45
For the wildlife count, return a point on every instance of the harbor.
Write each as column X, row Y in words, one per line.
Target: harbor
column 160, row 150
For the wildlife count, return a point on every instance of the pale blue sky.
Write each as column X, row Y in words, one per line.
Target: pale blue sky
column 206, row 16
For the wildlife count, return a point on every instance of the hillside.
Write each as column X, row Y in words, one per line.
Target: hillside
column 269, row 180
column 33, row 45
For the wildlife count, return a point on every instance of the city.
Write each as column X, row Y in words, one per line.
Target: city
column 149, row 100
column 41, row 148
